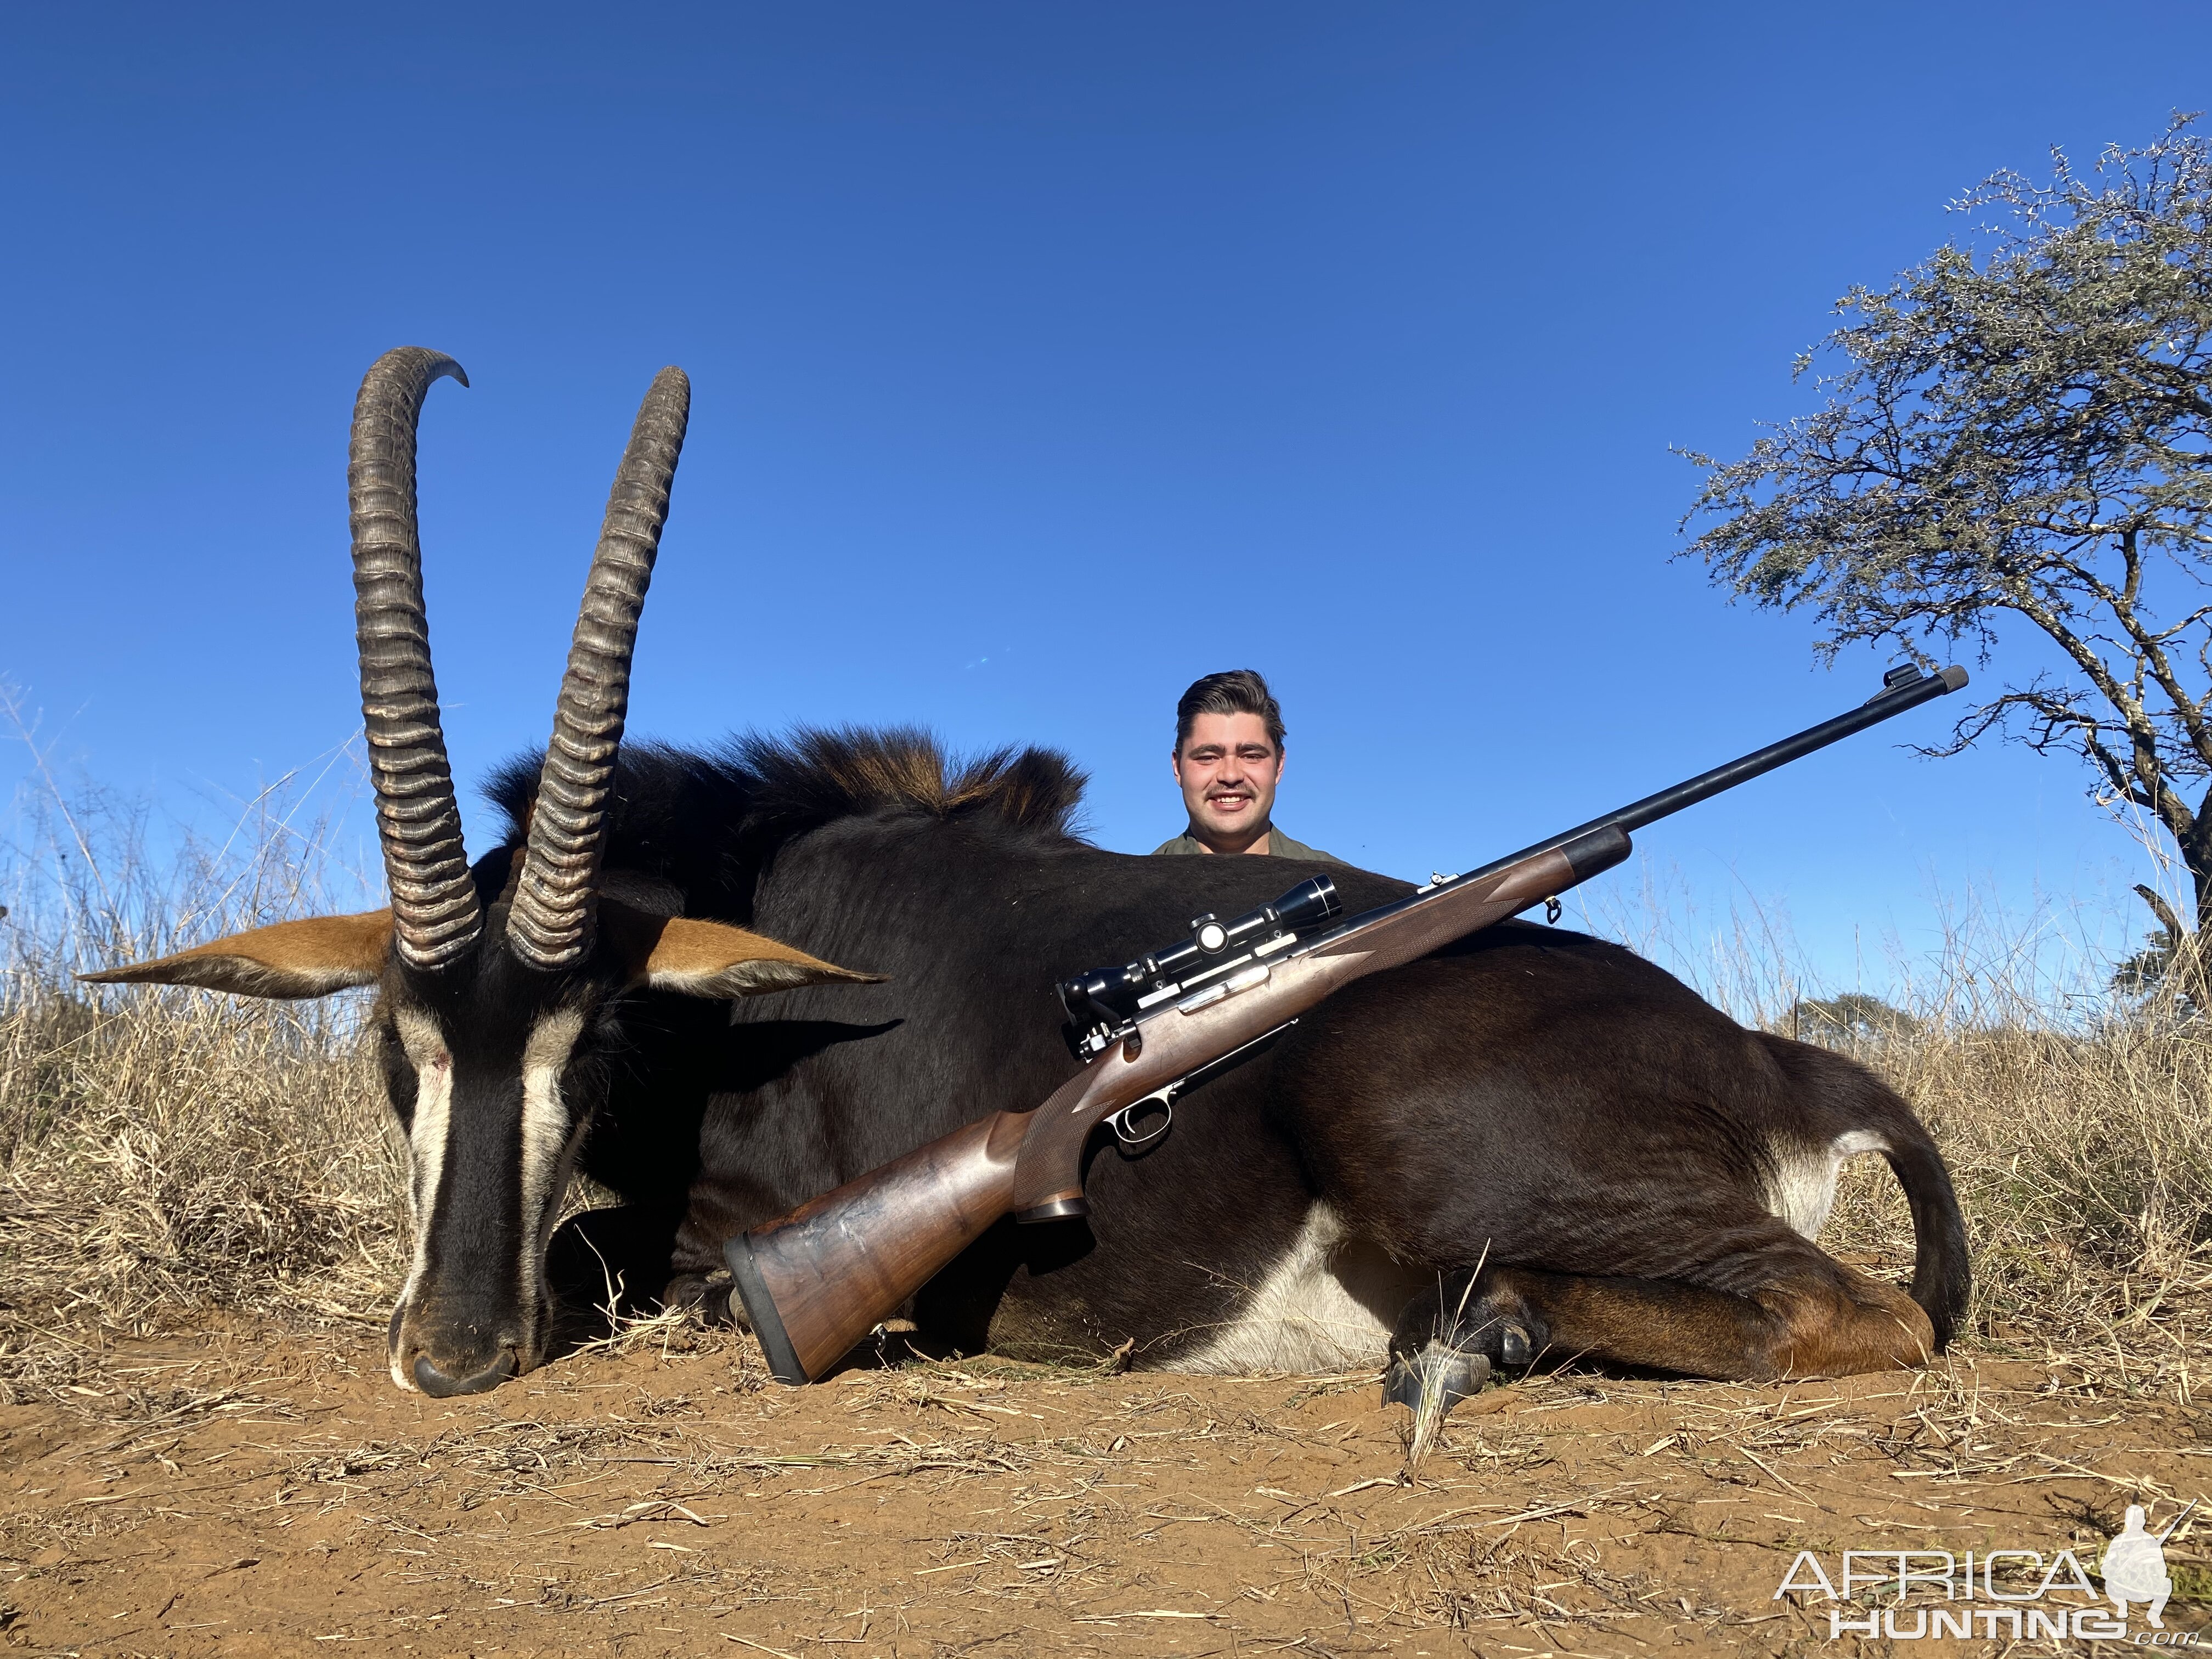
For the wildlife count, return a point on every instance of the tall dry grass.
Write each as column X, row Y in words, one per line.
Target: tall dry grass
column 172, row 1158
column 2083, row 1162
column 170, row 1155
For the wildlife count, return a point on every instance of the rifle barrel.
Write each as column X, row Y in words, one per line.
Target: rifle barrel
column 1884, row 705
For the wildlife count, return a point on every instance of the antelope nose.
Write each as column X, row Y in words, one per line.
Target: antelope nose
column 440, row 1385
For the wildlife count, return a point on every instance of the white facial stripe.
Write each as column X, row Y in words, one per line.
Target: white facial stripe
column 428, row 1136
column 537, row 1295
column 549, row 1144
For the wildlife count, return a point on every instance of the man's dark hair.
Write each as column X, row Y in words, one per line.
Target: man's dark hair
column 1239, row 691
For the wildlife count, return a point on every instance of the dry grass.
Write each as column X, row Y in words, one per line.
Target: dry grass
column 168, row 1156
column 173, row 1156
column 2083, row 1162
column 165, row 1154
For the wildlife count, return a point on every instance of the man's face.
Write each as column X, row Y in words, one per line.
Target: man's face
column 1227, row 770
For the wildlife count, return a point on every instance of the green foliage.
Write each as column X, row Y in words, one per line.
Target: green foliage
column 2018, row 431
column 2163, row 968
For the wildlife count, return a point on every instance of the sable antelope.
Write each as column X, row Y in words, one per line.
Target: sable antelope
column 1531, row 1141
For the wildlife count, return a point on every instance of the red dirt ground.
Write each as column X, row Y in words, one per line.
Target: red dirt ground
column 247, row 1496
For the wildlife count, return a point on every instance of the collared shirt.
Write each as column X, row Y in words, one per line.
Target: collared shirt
column 1279, row 846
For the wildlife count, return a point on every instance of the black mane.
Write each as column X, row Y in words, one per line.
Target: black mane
column 804, row 780
column 709, row 820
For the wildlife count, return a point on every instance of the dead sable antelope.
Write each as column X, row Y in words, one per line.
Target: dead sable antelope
column 1532, row 1142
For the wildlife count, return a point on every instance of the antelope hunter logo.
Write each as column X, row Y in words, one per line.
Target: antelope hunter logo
column 2016, row 1594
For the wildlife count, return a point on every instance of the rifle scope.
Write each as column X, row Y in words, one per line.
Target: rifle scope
column 1105, row 999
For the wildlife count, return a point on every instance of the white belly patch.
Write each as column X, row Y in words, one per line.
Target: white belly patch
column 1328, row 1304
column 1805, row 1179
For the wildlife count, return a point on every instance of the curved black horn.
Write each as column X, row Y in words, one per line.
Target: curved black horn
column 550, row 924
column 433, row 904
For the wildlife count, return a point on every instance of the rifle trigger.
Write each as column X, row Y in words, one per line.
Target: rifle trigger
column 1120, row 1123
column 1552, row 909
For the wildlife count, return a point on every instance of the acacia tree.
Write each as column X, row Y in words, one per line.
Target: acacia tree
column 2018, row 434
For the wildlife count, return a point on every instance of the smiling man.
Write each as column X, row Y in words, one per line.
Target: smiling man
column 1227, row 759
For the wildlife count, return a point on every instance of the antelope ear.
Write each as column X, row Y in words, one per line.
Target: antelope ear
column 713, row 959
column 310, row 958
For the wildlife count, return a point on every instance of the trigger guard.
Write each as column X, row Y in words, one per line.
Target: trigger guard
column 1119, row 1123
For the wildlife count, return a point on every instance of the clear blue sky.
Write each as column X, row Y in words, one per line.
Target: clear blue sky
column 1045, row 357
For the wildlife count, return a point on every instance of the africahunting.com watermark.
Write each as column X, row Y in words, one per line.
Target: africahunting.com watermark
column 1912, row 1594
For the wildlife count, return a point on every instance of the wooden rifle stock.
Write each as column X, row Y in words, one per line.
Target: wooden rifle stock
column 819, row 1281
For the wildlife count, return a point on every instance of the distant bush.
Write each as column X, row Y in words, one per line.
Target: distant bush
column 1853, row 1016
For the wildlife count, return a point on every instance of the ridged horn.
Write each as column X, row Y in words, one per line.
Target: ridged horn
column 555, row 904
column 434, row 903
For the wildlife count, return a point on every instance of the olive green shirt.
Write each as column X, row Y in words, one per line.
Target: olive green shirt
column 1279, row 845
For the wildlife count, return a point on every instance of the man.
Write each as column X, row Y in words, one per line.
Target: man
column 1227, row 759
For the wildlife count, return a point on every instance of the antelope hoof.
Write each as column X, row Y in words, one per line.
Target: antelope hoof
column 1513, row 1348
column 710, row 1299
column 1428, row 1383
column 1437, row 1375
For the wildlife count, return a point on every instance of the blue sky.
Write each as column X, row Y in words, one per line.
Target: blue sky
column 1045, row 357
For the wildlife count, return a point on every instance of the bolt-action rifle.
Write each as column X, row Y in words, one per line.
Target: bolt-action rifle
column 817, row 1281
